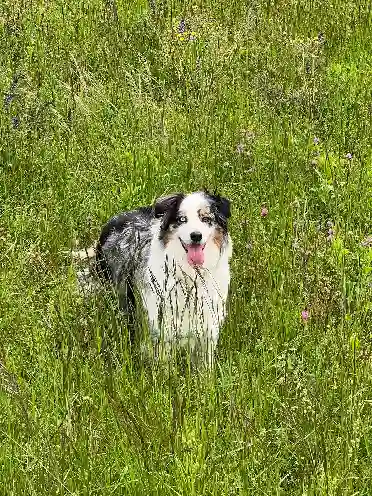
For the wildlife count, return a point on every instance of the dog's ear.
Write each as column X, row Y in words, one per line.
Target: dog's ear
column 166, row 203
column 221, row 204
column 224, row 207
column 167, row 207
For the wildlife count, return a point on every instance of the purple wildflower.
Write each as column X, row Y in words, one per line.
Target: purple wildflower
column 349, row 156
column 8, row 99
column 15, row 122
column 264, row 212
column 305, row 315
column 316, row 140
column 11, row 92
column 182, row 26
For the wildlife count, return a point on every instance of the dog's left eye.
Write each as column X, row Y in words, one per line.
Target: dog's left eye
column 207, row 220
column 182, row 219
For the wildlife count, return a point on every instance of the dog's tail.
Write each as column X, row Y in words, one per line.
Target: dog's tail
column 85, row 254
column 84, row 262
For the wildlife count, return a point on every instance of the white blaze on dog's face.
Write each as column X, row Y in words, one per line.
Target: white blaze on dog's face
column 194, row 227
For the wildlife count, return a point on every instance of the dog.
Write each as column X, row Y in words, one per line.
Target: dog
column 175, row 256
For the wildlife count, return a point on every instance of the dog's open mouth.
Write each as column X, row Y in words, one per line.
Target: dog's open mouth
column 195, row 253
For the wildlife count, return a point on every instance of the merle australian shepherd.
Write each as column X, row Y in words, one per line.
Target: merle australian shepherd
column 176, row 255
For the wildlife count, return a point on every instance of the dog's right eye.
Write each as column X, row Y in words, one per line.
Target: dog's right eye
column 181, row 219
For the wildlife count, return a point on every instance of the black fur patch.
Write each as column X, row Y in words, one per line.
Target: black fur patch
column 220, row 206
column 117, row 224
column 167, row 208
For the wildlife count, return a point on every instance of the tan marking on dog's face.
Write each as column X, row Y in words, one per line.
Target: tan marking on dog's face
column 205, row 212
column 218, row 236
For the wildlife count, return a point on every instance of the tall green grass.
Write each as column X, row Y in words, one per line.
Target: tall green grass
column 106, row 106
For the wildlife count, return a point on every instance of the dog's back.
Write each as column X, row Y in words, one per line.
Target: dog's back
column 122, row 248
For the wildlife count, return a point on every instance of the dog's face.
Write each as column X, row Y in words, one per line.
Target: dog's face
column 194, row 227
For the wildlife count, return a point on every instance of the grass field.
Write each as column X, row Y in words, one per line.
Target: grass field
column 108, row 104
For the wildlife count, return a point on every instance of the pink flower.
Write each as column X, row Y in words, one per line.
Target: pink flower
column 264, row 212
column 305, row 315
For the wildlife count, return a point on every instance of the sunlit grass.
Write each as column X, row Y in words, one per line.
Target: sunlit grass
column 108, row 105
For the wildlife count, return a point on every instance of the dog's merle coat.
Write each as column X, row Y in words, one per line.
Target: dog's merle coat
column 185, row 282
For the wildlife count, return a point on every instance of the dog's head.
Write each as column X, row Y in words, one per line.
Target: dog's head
column 194, row 227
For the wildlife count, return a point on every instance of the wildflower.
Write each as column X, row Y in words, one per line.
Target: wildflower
column 305, row 315
column 11, row 92
column 182, row 34
column 295, row 245
column 330, row 235
column 264, row 212
column 314, row 163
column 316, row 140
column 349, row 156
column 240, row 148
column 15, row 122
column 8, row 99
column 182, row 26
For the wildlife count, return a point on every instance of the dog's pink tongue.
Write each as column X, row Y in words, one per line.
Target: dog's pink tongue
column 195, row 254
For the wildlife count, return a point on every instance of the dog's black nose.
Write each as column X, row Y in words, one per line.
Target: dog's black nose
column 196, row 236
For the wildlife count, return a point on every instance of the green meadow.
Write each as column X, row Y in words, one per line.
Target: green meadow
column 105, row 106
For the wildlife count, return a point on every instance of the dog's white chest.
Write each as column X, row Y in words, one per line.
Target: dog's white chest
column 192, row 309
column 183, row 307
